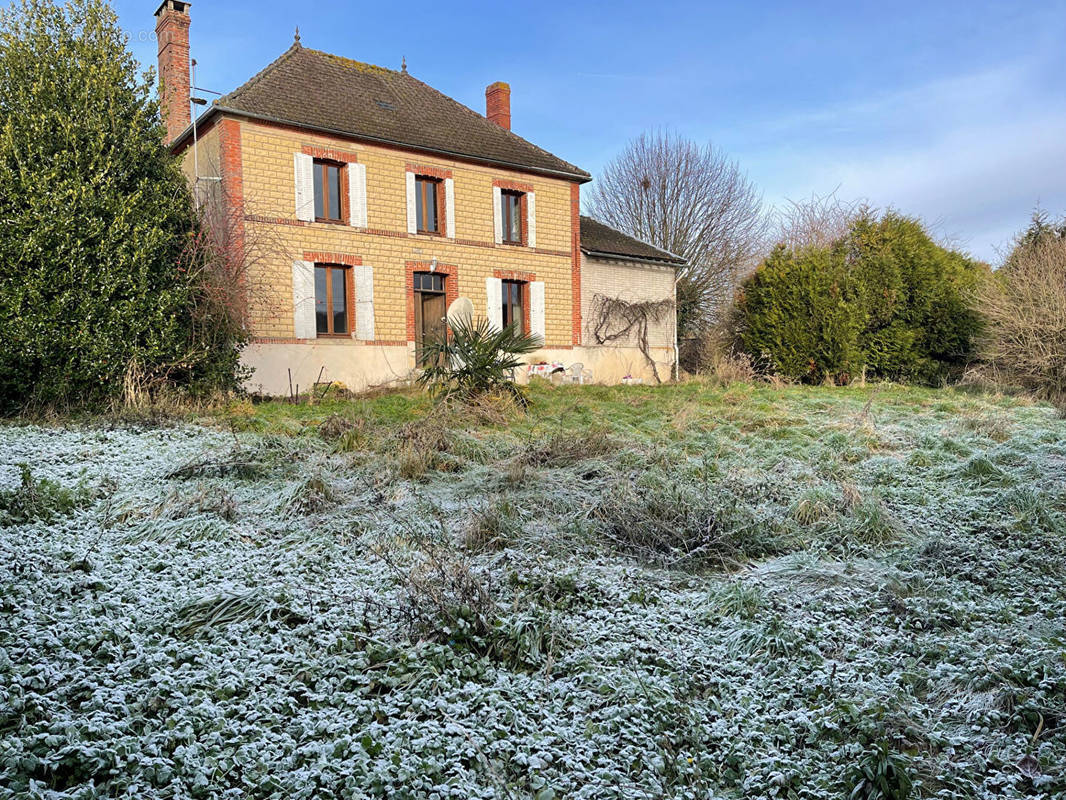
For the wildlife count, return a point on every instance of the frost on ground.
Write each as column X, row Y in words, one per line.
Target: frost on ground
column 764, row 602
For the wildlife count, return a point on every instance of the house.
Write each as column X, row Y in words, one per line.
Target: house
column 365, row 202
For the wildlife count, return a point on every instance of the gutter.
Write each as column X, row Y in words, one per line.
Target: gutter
column 662, row 262
column 378, row 140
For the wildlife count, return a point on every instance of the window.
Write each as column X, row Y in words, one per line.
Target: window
column 512, row 217
column 512, row 305
column 331, row 300
column 327, row 191
column 427, row 204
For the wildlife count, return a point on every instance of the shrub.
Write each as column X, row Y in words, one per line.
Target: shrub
column 96, row 291
column 919, row 321
column 884, row 300
column 39, row 499
column 476, row 359
column 799, row 316
column 1025, row 305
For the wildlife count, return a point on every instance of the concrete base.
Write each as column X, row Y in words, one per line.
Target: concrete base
column 365, row 366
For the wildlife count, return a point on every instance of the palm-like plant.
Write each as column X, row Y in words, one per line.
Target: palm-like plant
column 476, row 359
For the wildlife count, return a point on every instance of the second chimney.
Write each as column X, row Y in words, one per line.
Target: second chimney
column 172, row 35
column 498, row 104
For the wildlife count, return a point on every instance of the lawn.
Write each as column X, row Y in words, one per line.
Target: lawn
column 688, row 591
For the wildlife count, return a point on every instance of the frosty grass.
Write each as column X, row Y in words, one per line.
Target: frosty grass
column 245, row 631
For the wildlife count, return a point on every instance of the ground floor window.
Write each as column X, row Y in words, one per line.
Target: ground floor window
column 331, row 299
column 513, row 305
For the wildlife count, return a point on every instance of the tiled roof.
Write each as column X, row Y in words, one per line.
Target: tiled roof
column 597, row 238
column 318, row 90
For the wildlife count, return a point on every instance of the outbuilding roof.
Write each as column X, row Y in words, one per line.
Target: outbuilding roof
column 598, row 239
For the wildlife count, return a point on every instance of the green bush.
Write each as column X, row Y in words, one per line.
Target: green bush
column 799, row 315
column 885, row 300
column 96, row 288
column 39, row 499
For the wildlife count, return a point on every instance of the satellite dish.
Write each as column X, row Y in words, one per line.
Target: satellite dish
column 461, row 310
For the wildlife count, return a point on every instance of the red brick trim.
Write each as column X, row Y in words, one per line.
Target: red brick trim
column 514, row 275
column 329, row 154
column 337, row 339
column 297, row 223
column 526, row 278
column 320, row 257
column 405, row 235
column 513, row 186
column 231, row 172
column 429, row 171
column 575, row 256
column 451, row 287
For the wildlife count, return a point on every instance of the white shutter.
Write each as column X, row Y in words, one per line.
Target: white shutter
column 305, row 187
column 364, row 303
column 449, row 208
column 303, row 300
column 497, row 213
column 412, row 209
column 494, row 305
column 357, row 195
column 531, row 219
column 536, row 309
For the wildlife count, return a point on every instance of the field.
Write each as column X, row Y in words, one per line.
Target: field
column 688, row 592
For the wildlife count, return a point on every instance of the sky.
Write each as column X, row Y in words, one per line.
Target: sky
column 951, row 111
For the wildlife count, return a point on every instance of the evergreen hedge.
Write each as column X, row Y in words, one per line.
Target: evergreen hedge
column 885, row 300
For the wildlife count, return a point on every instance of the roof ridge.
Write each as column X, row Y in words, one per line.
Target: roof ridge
column 252, row 81
column 344, row 61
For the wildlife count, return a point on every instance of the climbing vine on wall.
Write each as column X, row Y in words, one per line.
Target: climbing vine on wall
column 617, row 320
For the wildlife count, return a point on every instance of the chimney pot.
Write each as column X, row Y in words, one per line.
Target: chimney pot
column 498, row 104
column 175, row 89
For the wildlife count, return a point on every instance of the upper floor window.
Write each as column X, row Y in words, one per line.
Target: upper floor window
column 427, row 204
column 512, row 305
column 512, row 216
column 327, row 191
column 331, row 299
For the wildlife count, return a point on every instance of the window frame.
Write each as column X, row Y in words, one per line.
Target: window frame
column 320, row 173
column 507, row 209
column 349, row 304
column 422, row 184
column 508, row 305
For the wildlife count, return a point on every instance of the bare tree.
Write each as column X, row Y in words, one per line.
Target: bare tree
column 816, row 221
column 690, row 200
column 1025, row 307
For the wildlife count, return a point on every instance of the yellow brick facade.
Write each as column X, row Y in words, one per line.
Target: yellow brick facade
column 276, row 238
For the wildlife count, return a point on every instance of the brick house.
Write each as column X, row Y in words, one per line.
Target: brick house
column 368, row 202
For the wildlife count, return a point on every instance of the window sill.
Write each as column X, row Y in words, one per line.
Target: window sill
column 331, row 221
column 506, row 243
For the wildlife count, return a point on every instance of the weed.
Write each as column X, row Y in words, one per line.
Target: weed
column 674, row 524
column 561, row 450
column 39, row 500
column 881, row 773
column 496, row 525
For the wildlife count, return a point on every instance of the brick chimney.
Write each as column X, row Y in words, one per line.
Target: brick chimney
column 172, row 35
column 498, row 104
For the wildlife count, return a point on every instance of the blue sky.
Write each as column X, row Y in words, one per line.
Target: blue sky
column 953, row 111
